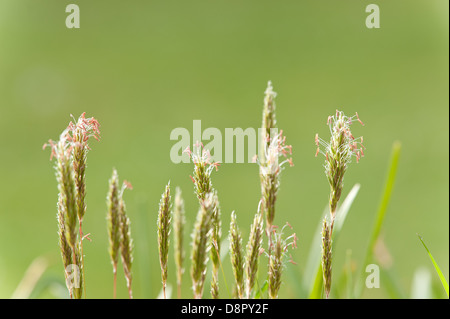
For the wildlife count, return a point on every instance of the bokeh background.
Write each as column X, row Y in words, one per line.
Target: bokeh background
column 145, row 68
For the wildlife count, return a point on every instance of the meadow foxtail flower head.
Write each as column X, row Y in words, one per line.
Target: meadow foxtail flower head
column 278, row 257
column 79, row 133
column 338, row 152
column 203, row 167
column 70, row 153
column 275, row 157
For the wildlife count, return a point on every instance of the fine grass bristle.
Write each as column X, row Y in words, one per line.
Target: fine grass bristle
column 163, row 224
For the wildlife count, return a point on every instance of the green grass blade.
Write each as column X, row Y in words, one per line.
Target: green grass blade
column 396, row 148
column 259, row 293
column 395, row 155
column 312, row 277
column 341, row 214
column 314, row 268
column 317, row 288
column 438, row 270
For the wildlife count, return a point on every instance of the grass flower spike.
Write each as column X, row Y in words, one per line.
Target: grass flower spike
column 70, row 154
column 66, row 197
column 237, row 259
column 270, row 174
column 203, row 167
column 201, row 238
column 216, row 234
column 79, row 134
column 277, row 259
column 163, row 224
column 272, row 149
column 326, row 257
column 253, row 250
column 113, row 223
column 269, row 121
column 126, row 242
column 338, row 153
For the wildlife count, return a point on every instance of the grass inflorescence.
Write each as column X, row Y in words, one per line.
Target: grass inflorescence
column 207, row 249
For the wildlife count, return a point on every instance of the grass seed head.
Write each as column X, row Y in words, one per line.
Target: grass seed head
column 253, row 249
column 163, row 224
column 113, row 218
column 338, row 152
column 326, row 257
column 201, row 238
column 236, row 255
column 203, row 167
column 126, row 241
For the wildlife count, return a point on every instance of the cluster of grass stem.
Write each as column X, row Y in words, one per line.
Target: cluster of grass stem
column 118, row 223
column 70, row 153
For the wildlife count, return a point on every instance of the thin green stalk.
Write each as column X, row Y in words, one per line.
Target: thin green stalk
column 438, row 270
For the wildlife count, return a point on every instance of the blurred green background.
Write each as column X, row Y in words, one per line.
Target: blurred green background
column 145, row 68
